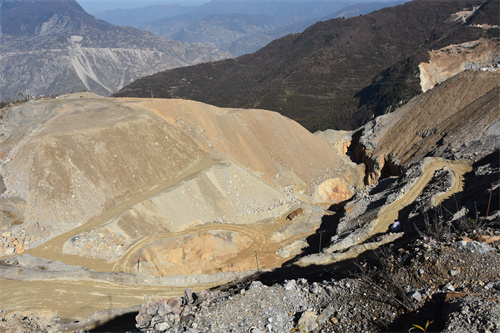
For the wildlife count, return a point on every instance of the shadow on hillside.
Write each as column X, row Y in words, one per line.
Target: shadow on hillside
column 123, row 323
column 322, row 236
column 476, row 194
column 431, row 311
column 475, row 197
column 313, row 273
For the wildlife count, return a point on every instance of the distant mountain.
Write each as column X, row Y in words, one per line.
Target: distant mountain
column 139, row 16
column 235, row 33
column 239, row 27
column 336, row 74
column 362, row 8
column 52, row 47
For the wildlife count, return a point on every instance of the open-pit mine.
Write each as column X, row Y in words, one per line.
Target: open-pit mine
column 107, row 202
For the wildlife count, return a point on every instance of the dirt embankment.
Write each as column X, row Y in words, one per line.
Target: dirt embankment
column 74, row 158
column 116, row 185
column 453, row 59
column 450, row 121
column 279, row 150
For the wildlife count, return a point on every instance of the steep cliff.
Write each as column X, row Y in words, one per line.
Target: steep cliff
column 453, row 59
column 457, row 119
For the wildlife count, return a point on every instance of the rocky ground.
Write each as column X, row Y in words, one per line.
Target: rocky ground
column 20, row 238
column 451, row 281
column 443, row 273
column 100, row 243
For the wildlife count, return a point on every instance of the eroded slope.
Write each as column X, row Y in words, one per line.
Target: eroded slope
column 444, row 121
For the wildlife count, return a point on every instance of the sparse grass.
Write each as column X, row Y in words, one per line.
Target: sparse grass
column 427, row 265
column 426, row 325
column 438, row 228
column 441, row 227
column 386, row 280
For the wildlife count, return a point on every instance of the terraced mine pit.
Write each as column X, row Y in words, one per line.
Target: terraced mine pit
column 109, row 202
column 127, row 197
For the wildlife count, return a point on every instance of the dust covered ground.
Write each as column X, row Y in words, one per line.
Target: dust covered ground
column 114, row 199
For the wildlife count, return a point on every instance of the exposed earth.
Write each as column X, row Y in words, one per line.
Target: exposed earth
column 221, row 182
column 110, row 202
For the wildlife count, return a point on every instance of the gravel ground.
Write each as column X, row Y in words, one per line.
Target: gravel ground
column 453, row 285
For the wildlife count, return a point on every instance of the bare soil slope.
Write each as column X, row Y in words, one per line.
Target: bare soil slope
column 203, row 190
column 99, row 177
column 278, row 150
column 155, row 188
column 453, row 59
column 452, row 121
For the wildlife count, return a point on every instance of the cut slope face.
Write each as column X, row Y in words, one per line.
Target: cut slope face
column 278, row 150
column 446, row 121
column 442, row 143
column 453, row 59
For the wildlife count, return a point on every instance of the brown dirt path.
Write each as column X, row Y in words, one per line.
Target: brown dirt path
column 77, row 300
column 258, row 233
column 52, row 249
column 390, row 213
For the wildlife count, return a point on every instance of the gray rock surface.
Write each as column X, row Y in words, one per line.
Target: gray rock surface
column 474, row 314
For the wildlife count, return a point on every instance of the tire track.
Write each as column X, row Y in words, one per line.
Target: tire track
column 52, row 249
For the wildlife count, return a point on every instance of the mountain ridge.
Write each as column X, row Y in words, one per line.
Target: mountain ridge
column 61, row 49
column 236, row 27
column 316, row 77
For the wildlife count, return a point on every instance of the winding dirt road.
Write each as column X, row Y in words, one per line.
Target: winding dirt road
column 390, row 213
column 52, row 249
column 77, row 299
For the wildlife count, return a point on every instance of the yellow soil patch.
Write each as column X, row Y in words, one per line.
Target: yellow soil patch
column 76, row 300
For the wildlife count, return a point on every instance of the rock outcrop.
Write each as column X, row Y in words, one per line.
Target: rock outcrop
column 483, row 54
column 457, row 119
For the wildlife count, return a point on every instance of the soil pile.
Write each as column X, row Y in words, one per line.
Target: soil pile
column 156, row 188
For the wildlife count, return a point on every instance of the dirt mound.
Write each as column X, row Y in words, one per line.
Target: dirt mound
column 278, row 150
column 156, row 187
column 193, row 254
column 89, row 155
column 117, row 185
column 75, row 157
